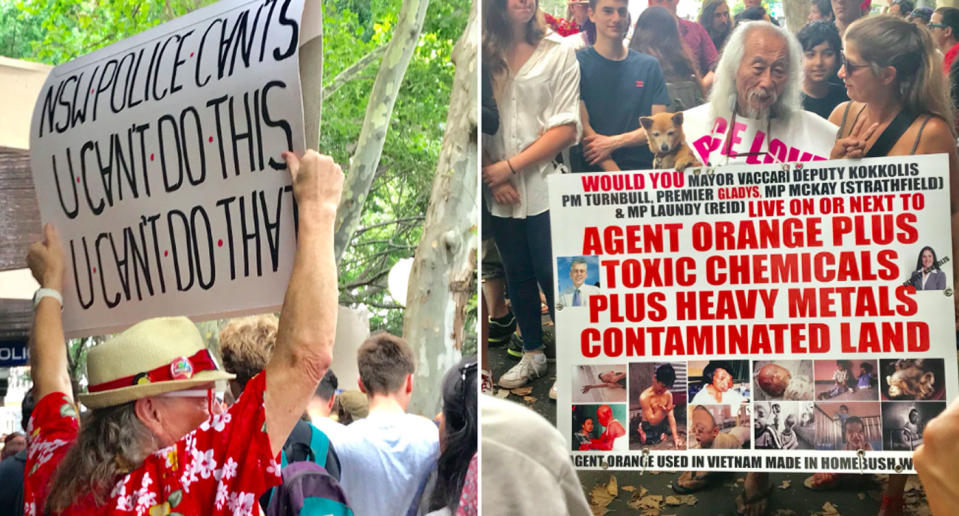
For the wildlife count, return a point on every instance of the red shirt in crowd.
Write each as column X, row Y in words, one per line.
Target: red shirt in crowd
column 950, row 57
column 698, row 42
column 221, row 468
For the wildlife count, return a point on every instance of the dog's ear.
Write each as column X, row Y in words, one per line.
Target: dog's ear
column 678, row 118
column 646, row 122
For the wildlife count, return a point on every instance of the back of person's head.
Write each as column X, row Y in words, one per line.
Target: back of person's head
column 825, row 9
column 246, row 344
column 884, row 41
column 498, row 36
column 327, row 386
column 666, row 375
column 459, row 434
column 350, row 406
column 905, row 7
column 26, row 407
column 724, row 95
column 950, row 18
column 657, row 34
column 819, row 32
column 384, row 361
column 751, row 14
column 922, row 14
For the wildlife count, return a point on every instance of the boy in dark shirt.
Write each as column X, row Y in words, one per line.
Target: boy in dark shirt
column 821, row 89
column 617, row 86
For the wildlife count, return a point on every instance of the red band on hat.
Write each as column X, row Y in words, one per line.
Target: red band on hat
column 182, row 368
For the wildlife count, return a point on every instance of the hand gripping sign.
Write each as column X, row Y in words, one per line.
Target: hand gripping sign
column 159, row 160
column 754, row 317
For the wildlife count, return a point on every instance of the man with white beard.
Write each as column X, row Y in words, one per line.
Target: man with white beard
column 754, row 114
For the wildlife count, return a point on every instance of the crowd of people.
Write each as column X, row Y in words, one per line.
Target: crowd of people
column 166, row 427
column 567, row 95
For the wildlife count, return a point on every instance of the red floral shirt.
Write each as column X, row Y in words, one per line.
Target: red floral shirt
column 562, row 26
column 221, row 468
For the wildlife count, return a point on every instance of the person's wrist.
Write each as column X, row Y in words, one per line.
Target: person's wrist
column 53, row 282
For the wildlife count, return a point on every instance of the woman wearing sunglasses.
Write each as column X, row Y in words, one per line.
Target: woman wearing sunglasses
column 899, row 106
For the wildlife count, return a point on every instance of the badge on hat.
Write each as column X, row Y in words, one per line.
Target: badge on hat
column 181, row 369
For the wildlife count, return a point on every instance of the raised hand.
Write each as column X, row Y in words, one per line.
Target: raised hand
column 853, row 146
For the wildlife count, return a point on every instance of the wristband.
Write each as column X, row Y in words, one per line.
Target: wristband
column 510, row 165
column 47, row 292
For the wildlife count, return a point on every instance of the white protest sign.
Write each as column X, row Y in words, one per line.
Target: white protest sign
column 760, row 317
column 159, row 160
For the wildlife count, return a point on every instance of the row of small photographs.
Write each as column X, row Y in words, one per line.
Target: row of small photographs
column 731, row 382
column 657, row 389
column 787, row 425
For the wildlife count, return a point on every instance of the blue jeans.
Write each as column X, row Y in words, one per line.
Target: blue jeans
column 525, row 248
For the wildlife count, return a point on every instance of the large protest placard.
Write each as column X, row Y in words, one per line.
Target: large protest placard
column 159, row 160
column 754, row 317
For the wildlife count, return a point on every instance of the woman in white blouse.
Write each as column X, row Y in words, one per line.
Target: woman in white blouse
column 536, row 86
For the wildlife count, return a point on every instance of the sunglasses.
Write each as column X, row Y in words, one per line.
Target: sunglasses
column 850, row 67
column 936, row 26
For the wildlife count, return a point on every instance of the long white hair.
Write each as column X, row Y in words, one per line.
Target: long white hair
column 723, row 96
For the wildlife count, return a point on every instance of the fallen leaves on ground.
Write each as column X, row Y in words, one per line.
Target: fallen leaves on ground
column 785, row 484
column 612, row 487
column 529, row 399
column 829, row 509
column 501, row 393
column 861, row 496
column 686, row 499
column 785, row 512
column 522, row 391
column 602, row 495
column 628, row 488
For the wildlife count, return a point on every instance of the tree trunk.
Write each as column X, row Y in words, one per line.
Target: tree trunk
column 444, row 268
column 379, row 110
column 796, row 13
column 311, row 73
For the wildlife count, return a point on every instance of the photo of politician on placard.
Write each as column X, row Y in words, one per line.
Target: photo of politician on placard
column 928, row 275
column 578, row 280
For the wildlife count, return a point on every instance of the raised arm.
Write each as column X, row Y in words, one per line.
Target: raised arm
column 48, row 351
column 304, row 341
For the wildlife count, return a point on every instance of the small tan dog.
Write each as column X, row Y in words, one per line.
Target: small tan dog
column 664, row 131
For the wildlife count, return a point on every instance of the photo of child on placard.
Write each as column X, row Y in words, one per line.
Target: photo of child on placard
column 657, row 405
column 599, row 383
column 599, row 427
column 578, row 279
column 848, row 426
column 719, row 382
column 784, row 425
column 847, row 380
column 719, row 427
column 783, row 380
column 903, row 423
column 912, row 379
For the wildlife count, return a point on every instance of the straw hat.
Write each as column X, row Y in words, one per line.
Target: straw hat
column 152, row 357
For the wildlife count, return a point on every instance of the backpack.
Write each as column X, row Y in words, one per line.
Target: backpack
column 308, row 487
column 684, row 94
column 308, row 490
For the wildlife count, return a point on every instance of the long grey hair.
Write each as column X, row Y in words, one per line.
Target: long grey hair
column 723, row 96
column 111, row 443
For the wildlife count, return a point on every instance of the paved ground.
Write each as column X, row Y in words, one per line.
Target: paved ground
column 793, row 499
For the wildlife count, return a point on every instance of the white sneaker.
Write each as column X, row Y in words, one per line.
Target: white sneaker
column 552, row 392
column 532, row 365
